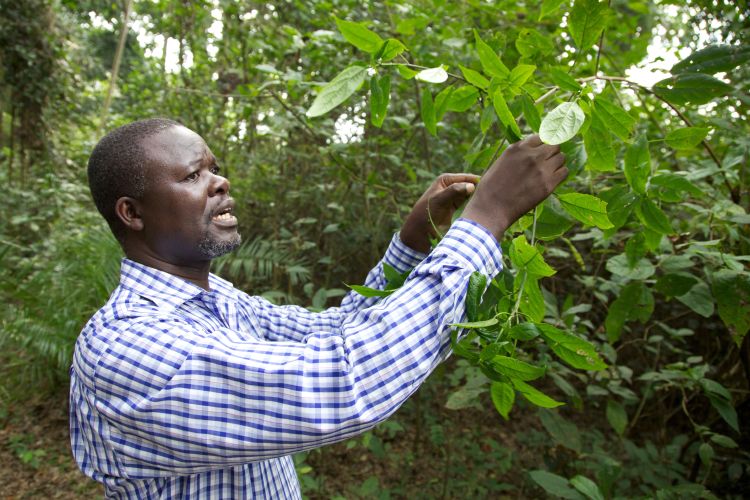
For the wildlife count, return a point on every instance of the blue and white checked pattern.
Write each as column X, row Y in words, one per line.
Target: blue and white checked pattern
column 179, row 392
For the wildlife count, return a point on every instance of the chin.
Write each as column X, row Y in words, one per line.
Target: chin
column 213, row 247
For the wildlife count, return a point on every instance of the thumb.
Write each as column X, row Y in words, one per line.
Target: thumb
column 455, row 194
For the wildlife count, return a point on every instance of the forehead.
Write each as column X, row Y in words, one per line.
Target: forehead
column 176, row 147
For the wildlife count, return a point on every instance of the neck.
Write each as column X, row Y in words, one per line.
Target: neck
column 194, row 272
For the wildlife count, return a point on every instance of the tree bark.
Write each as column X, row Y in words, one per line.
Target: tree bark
column 116, row 64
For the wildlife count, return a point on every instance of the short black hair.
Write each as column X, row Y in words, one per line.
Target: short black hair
column 117, row 167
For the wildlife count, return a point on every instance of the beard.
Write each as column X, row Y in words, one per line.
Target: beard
column 211, row 248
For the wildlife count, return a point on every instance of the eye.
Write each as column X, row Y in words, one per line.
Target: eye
column 193, row 176
column 215, row 170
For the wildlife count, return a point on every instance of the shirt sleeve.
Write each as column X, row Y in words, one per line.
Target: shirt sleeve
column 180, row 401
column 294, row 323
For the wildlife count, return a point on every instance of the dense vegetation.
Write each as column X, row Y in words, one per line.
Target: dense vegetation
column 625, row 302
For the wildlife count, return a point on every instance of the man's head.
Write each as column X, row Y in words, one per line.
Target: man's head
column 157, row 185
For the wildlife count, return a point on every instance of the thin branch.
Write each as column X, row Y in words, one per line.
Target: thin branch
column 116, row 64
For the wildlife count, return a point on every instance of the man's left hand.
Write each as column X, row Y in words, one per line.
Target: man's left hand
column 434, row 209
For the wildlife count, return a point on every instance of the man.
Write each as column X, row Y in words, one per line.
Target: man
column 183, row 387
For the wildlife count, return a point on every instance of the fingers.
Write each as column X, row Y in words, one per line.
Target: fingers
column 449, row 179
column 453, row 195
column 533, row 141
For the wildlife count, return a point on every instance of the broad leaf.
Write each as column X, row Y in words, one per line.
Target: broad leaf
column 406, row 72
column 531, row 43
column 503, row 396
column 620, row 204
column 686, row 138
column 474, row 77
column 554, row 484
column 553, row 222
column 575, row 351
column 427, row 110
column 380, row 95
column 462, row 99
column 563, row 80
column 359, row 36
column 562, row 123
column 621, row 266
column 586, row 486
column 549, row 7
column 562, row 431
column 732, row 292
column 532, row 300
column 535, row 396
column 586, row 21
column 432, row 75
column 713, row 59
column 503, row 112
column 601, row 154
column 617, row 416
column 337, row 90
column 524, row 331
column 653, row 217
column 530, row 113
column 638, row 165
column 491, row 63
column 586, row 208
column 699, row 299
column 674, row 284
column 527, row 257
column 520, row 74
column 516, row 369
column 611, row 117
column 390, row 49
column 441, row 101
column 474, row 291
column 696, row 88
column 635, row 302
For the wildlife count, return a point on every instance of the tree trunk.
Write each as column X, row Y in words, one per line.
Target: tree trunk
column 116, row 65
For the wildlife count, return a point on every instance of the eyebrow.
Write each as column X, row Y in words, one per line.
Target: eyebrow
column 204, row 156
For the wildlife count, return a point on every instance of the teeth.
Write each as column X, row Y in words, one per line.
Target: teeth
column 225, row 216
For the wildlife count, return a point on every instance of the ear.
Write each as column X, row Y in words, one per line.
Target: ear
column 128, row 210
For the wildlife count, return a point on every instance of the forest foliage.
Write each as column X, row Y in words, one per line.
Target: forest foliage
column 625, row 295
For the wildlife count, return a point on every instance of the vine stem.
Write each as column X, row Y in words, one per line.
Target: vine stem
column 517, row 305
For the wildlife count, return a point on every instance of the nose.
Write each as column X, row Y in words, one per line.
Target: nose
column 219, row 185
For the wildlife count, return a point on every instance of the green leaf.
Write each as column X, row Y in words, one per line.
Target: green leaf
column 611, row 117
column 620, row 204
column 491, row 63
column 503, row 397
column 406, row 72
column 527, row 257
column 554, row 484
column 726, row 410
column 462, row 99
column 638, row 165
column 674, row 284
column 696, row 88
column 562, row 123
column 503, row 112
column 477, row 324
column 531, row 43
column 359, row 36
column 562, row 431
column 601, row 154
column 713, row 59
column 563, row 80
column 553, row 222
column 427, row 110
column 586, row 208
column 621, row 266
column 441, row 101
column 337, row 90
column 732, row 292
column 474, row 291
column 532, row 300
column 636, row 302
column 465, row 397
column 530, row 113
column 575, row 351
column 686, row 138
column 653, row 217
column 535, row 396
column 520, row 74
column 723, row 441
column 586, row 21
column 617, row 416
column 713, row 388
column 549, row 7
column 380, row 95
column 524, row 331
column 706, row 453
column 699, row 299
column 370, row 292
column 516, row 369
column 488, row 118
column 586, row 486
column 390, row 49
column 474, row 77
column 671, row 186
column 432, row 75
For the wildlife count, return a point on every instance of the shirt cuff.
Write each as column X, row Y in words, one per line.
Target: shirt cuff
column 402, row 257
column 474, row 245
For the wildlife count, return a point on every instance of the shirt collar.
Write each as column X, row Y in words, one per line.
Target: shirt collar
column 166, row 289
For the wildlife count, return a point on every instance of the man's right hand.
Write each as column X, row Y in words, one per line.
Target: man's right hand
column 524, row 175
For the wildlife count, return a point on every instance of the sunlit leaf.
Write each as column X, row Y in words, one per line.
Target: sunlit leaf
column 564, row 80
column 611, row 117
column 491, row 63
column 586, row 21
column 686, row 138
column 575, row 351
column 462, row 99
column 520, row 74
column 432, row 75
column 586, row 208
column 601, row 154
column 427, row 110
column 359, row 36
column 527, row 257
column 530, row 113
column 503, row 112
column 474, row 77
column 380, row 94
column 535, row 396
column 549, row 7
column 366, row 291
column 696, row 88
column 562, row 123
column 474, row 291
column 390, row 49
column 337, row 90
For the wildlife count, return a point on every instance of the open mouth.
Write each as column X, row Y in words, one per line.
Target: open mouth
column 225, row 216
